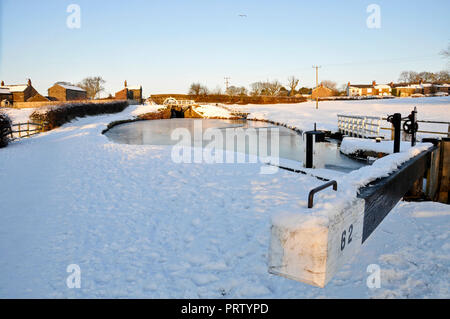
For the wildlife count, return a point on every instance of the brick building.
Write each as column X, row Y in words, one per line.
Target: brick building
column 129, row 93
column 66, row 92
column 409, row 89
column 20, row 92
column 6, row 97
column 368, row 89
column 321, row 91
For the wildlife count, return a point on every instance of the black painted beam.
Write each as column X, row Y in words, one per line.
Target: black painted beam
column 382, row 195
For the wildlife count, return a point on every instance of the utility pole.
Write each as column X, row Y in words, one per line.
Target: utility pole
column 227, row 82
column 317, row 67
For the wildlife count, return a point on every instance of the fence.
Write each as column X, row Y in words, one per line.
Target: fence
column 359, row 126
column 27, row 129
column 447, row 133
column 370, row 126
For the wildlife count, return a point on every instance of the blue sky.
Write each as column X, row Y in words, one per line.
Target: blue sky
column 166, row 45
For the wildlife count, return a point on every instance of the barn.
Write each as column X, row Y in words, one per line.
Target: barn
column 66, row 92
column 20, row 92
column 5, row 97
column 321, row 91
column 129, row 93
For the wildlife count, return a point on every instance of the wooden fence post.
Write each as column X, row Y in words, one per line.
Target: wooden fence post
column 444, row 171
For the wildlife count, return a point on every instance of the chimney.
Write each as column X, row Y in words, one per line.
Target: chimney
column 126, row 84
column 29, row 82
column 348, row 84
column 3, row 83
column 374, row 83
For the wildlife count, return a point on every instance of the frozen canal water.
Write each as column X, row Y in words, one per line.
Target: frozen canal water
column 255, row 133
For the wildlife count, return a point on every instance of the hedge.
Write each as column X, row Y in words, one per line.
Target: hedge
column 227, row 99
column 57, row 115
column 5, row 128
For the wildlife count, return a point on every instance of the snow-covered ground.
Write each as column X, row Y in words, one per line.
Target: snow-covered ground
column 18, row 115
column 304, row 115
column 350, row 145
column 140, row 225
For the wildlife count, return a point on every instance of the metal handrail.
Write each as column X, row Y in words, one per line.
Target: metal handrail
column 318, row 189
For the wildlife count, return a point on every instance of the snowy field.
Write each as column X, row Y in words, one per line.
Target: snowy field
column 140, row 225
column 304, row 115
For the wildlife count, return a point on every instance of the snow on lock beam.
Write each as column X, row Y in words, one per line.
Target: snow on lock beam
column 312, row 245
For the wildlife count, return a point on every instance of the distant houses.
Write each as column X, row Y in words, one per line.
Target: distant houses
column 66, row 92
column 397, row 89
column 129, row 93
column 405, row 90
column 373, row 89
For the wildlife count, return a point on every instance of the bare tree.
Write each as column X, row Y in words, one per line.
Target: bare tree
column 444, row 76
column 292, row 84
column 272, row 88
column 404, row 77
column 415, row 77
column 329, row 84
column 217, row 90
column 446, row 53
column 198, row 89
column 93, row 86
column 257, row 88
column 235, row 91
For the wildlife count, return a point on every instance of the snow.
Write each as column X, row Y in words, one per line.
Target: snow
column 4, row 91
column 213, row 111
column 350, row 145
column 134, row 87
column 18, row 115
column 140, row 225
column 15, row 88
column 72, row 87
column 304, row 115
column 146, row 108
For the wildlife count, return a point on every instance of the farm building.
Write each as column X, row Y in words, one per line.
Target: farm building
column 368, row 89
column 38, row 98
column 321, row 91
column 409, row 89
column 20, row 92
column 66, row 92
column 129, row 93
column 5, row 97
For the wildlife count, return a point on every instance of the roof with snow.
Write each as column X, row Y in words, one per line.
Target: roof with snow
column 134, row 87
column 15, row 88
column 361, row 86
column 4, row 91
column 382, row 86
column 71, row 87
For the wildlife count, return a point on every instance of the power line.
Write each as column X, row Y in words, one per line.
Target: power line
column 383, row 61
column 227, row 82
